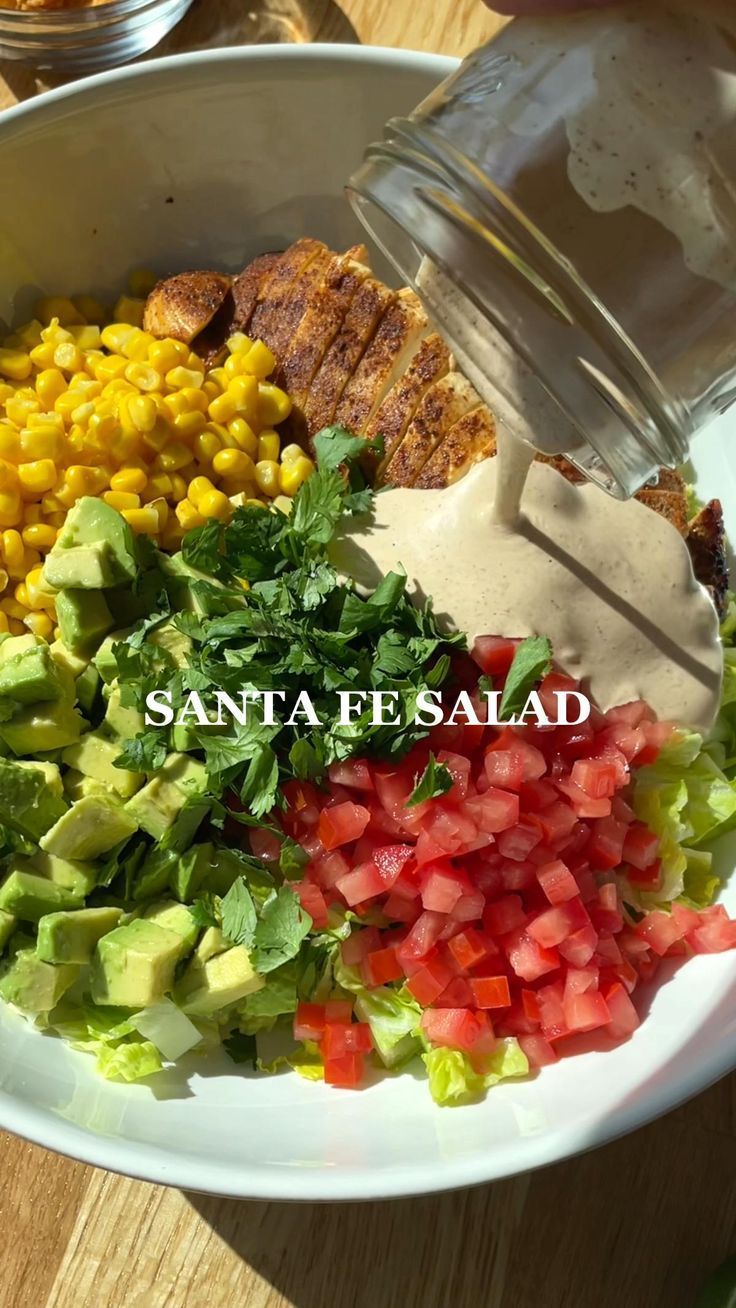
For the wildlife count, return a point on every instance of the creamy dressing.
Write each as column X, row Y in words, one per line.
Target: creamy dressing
column 610, row 583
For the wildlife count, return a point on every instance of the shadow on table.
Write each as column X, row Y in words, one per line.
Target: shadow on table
column 641, row 1222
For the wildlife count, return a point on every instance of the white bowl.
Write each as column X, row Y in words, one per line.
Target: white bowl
column 204, row 160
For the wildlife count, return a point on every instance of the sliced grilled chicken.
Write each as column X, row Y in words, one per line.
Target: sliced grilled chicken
column 182, row 306
column 431, row 362
column 706, row 540
column 444, row 404
column 396, row 340
column 370, row 302
column 323, row 316
column 471, row 440
column 268, row 320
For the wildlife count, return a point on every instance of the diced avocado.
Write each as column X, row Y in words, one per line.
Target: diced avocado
column 188, row 773
column 213, row 942
column 179, row 577
column 104, row 660
column 83, row 617
column 28, row 804
column 133, row 966
column 78, row 786
column 155, row 873
column 121, row 719
column 207, row 988
column 93, row 522
column 74, row 664
column 177, row 918
column 91, row 827
column 71, row 937
column 31, row 675
column 83, row 567
column 87, row 686
column 12, row 647
column 30, row 897
column 42, row 727
column 7, row 927
column 155, row 807
column 186, row 825
column 51, row 774
column 35, row 986
column 183, row 737
column 94, row 755
column 174, row 642
column 128, row 604
column 72, row 874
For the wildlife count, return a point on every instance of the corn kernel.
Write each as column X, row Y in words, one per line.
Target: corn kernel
column 40, row 536
column 12, row 548
column 30, row 333
column 167, row 354
column 293, row 475
column 238, row 341
column 115, row 336
column 88, row 337
column 31, row 559
column 4, row 622
column 211, row 389
column 55, row 334
column 274, row 405
column 8, row 476
column 159, row 435
column 215, row 505
column 233, row 365
column 143, row 376
column 162, row 509
column 129, row 480
column 189, row 425
column 179, row 377
column 9, row 442
column 82, row 480
column 31, row 514
column 198, row 488
column 291, row 452
column 15, row 364
column 37, row 443
column 233, row 463
column 121, row 500
column 21, row 594
column 50, row 384
column 143, row 521
column 267, row 477
column 175, row 456
column 171, row 536
column 206, row 446
column 90, row 309
column 255, row 503
column 224, row 408
column 269, row 445
column 40, row 624
column 38, row 476
column 188, row 516
column 244, row 391
column 110, row 367
column 179, row 488
column 129, row 310
column 57, row 306
column 259, row 360
column 68, row 357
column 137, row 345
column 244, row 436
column 20, row 408
column 16, row 627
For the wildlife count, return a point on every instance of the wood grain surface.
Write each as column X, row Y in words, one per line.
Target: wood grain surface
column 638, row 1224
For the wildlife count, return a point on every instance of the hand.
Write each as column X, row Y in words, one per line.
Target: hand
column 517, row 7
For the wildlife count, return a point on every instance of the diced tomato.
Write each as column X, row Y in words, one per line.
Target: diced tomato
column 606, row 844
column 503, row 916
column 468, row 948
column 353, row 773
column 598, row 778
column 423, row 935
column 309, row 1022
column 580, row 979
column 450, row 1028
column 339, row 824
column 346, row 1072
column 518, row 842
column 536, row 795
column 553, row 684
column 391, row 861
column 557, row 882
column 660, row 931
column 650, row 878
column 553, row 925
column 380, row 967
column 329, row 868
column 585, row 1012
column 360, row 942
column 539, row 1052
column 640, row 846
column 364, row 883
column 265, row 845
column 582, row 804
column 494, row 654
column 312, row 901
column 459, row 768
column 530, row 1005
column 495, row 810
column 398, row 908
column 490, row 991
column 528, row 957
column 427, row 984
column 580, row 945
column 442, row 887
column 624, row 1017
column 505, row 768
column 338, row 1010
column 555, row 822
column 456, row 995
column 551, row 1011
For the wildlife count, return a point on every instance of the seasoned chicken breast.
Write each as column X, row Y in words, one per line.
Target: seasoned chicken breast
column 323, row 316
column 184, row 305
column 389, row 353
column 391, row 420
column 444, row 404
column 367, row 308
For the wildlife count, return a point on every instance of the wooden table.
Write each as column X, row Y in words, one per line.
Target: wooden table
column 638, row 1224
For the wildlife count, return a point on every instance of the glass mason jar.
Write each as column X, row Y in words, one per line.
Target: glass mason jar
column 565, row 205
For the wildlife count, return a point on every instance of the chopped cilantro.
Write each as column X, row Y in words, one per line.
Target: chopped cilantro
column 435, row 780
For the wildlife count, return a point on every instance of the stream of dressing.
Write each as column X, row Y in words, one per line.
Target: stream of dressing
column 514, row 549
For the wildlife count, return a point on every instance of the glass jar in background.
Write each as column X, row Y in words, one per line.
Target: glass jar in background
column 565, row 205
column 84, row 38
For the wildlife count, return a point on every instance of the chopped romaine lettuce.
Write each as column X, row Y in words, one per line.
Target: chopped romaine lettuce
column 452, row 1079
